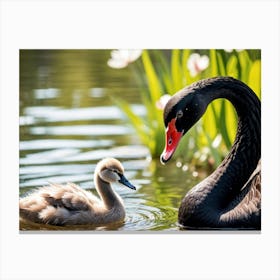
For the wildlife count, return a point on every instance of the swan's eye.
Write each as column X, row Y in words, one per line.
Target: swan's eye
column 170, row 141
column 116, row 171
column 179, row 114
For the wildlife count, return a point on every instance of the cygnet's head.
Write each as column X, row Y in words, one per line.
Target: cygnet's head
column 111, row 170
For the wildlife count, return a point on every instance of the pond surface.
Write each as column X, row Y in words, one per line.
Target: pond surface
column 68, row 122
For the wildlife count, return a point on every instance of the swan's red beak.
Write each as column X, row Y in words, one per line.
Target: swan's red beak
column 172, row 139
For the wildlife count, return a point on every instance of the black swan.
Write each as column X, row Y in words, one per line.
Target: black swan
column 231, row 196
column 71, row 205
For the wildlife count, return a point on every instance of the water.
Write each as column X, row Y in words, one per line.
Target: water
column 68, row 122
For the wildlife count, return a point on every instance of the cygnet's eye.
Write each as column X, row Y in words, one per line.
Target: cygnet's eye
column 179, row 114
column 116, row 171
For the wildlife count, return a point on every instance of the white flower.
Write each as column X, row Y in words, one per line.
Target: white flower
column 197, row 63
column 121, row 58
column 160, row 104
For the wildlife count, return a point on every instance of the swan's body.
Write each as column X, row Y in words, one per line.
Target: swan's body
column 71, row 205
column 231, row 196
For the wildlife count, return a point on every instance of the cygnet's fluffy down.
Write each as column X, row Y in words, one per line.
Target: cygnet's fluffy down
column 69, row 204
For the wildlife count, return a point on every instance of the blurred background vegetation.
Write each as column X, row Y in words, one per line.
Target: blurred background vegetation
column 161, row 73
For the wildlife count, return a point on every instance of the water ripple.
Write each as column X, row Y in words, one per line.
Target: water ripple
column 85, row 130
column 46, row 144
column 147, row 216
column 75, row 155
column 58, row 114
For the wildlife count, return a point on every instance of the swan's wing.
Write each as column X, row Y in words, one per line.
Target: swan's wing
column 56, row 203
column 70, row 197
column 250, row 196
column 251, row 191
column 253, row 196
column 255, row 179
column 247, row 205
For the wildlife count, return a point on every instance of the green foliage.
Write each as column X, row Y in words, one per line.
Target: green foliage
column 164, row 71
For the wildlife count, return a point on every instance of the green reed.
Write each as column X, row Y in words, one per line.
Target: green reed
column 161, row 71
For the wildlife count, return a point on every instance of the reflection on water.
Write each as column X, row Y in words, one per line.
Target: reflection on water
column 68, row 122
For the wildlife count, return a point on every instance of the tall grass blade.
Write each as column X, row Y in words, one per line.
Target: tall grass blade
column 230, row 121
column 214, row 151
column 245, row 63
column 213, row 63
column 164, row 71
column 231, row 67
column 153, row 82
column 254, row 80
column 220, row 64
column 176, row 70
column 210, row 119
column 224, row 127
column 137, row 123
column 187, row 77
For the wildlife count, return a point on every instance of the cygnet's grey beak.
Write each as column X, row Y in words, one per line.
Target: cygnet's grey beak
column 125, row 182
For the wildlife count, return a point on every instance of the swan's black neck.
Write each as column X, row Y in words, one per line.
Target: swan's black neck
column 245, row 153
column 223, row 185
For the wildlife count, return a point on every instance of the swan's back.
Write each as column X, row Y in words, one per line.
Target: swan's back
column 59, row 204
